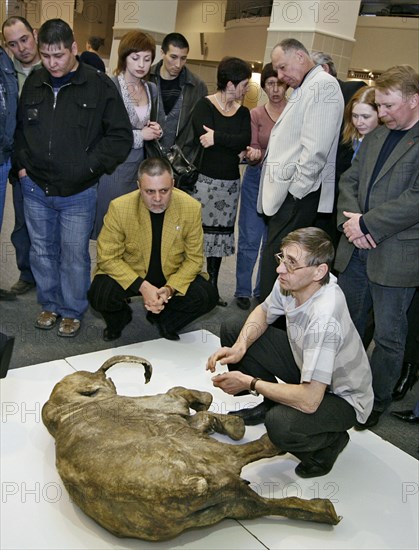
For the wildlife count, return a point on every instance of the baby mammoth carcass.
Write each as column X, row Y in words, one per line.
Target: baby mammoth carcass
column 144, row 467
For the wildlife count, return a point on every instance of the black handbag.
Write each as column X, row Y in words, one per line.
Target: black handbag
column 185, row 173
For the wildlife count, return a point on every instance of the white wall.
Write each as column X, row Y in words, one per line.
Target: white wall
column 382, row 42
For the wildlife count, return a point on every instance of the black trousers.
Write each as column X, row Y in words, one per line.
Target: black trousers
column 108, row 298
column 291, row 430
column 411, row 353
column 293, row 214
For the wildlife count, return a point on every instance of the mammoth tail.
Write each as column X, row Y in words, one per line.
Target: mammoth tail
column 148, row 369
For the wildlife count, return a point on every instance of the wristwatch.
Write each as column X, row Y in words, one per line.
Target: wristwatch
column 252, row 389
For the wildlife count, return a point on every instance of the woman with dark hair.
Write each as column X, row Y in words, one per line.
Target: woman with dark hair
column 136, row 53
column 252, row 225
column 90, row 56
column 222, row 127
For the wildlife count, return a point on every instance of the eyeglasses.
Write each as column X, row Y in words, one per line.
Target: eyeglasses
column 279, row 257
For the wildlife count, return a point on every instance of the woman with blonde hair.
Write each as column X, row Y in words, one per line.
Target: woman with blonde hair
column 360, row 118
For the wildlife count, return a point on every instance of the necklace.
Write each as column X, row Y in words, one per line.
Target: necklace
column 136, row 87
column 224, row 109
column 136, row 91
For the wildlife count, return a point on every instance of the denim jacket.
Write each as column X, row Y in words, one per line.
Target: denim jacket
column 8, row 104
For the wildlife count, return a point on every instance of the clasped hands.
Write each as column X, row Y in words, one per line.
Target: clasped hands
column 354, row 234
column 155, row 299
column 152, row 131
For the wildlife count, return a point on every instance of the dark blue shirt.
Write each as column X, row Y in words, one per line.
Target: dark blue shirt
column 389, row 145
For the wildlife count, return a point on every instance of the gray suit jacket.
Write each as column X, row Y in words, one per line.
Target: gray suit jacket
column 393, row 215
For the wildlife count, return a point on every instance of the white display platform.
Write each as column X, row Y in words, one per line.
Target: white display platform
column 373, row 485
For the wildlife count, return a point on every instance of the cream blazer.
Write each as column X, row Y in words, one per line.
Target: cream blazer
column 301, row 154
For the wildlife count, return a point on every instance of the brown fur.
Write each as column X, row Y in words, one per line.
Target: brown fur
column 144, row 467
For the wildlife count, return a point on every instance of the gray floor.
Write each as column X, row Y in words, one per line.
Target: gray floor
column 33, row 346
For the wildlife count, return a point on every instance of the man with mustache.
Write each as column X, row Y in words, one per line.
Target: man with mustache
column 151, row 245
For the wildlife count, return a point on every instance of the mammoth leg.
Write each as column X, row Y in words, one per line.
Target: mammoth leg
column 196, row 400
column 320, row 510
column 255, row 450
column 241, row 502
column 208, row 422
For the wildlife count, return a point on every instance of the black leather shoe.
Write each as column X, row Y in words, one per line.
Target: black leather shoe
column 152, row 317
column 322, row 461
column 243, row 302
column 21, row 287
column 6, row 295
column 372, row 420
column 253, row 416
column 109, row 335
column 408, row 378
column 167, row 333
column 164, row 332
column 406, row 416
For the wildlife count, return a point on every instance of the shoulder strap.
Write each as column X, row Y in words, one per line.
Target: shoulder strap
column 152, row 89
column 116, row 82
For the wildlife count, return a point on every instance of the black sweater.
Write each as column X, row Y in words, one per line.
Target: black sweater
column 231, row 136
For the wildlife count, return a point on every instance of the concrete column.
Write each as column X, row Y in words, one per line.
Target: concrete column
column 319, row 25
column 156, row 17
column 42, row 10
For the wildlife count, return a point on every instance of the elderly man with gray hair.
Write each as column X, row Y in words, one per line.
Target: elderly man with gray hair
column 298, row 173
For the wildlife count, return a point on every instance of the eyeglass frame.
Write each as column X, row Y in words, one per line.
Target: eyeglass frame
column 279, row 257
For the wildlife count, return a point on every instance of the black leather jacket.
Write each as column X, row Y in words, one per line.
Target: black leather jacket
column 192, row 91
column 66, row 142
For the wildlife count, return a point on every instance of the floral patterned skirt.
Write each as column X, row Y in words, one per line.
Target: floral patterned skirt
column 219, row 199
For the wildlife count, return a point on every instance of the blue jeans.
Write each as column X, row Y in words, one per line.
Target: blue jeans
column 252, row 234
column 59, row 229
column 20, row 236
column 4, row 173
column 390, row 305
